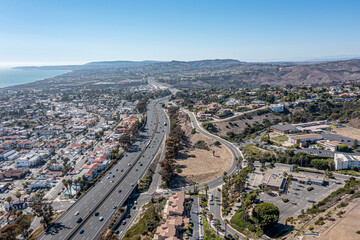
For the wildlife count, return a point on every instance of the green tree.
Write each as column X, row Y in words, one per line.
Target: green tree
column 266, row 214
column 44, row 210
column 18, row 195
column 343, row 147
column 355, row 144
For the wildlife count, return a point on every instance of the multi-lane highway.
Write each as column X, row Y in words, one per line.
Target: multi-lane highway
column 114, row 188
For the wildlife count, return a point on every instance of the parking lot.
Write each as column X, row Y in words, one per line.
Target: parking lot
column 299, row 198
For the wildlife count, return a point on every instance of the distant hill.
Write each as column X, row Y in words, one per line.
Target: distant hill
column 222, row 73
column 93, row 65
column 232, row 73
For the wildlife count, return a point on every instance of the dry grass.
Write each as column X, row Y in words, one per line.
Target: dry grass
column 348, row 132
column 239, row 123
column 344, row 228
column 204, row 166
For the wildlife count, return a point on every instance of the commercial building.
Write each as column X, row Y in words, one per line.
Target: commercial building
column 285, row 128
column 346, row 161
column 329, row 145
column 305, row 138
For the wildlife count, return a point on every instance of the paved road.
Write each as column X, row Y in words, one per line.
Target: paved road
column 194, row 216
column 125, row 179
column 215, row 209
column 233, row 149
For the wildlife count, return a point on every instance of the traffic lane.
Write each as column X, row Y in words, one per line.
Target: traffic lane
column 133, row 178
column 69, row 220
column 215, row 209
column 194, row 216
column 94, row 225
column 69, row 217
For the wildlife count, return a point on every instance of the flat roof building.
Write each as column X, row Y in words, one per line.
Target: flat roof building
column 346, row 161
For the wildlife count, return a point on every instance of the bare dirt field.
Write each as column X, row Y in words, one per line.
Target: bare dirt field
column 344, row 223
column 345, row 228
column 238, row 124
column 348, row 132
column 201, row 165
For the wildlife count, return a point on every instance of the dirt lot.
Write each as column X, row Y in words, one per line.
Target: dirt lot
column 345, row 228
column 205, row 165
column 348, row 132
column 239, row 123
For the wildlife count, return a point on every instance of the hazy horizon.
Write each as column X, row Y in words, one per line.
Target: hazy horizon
column 75, row 32
column 4, row 65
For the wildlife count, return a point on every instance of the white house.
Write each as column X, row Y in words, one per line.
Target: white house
column 277, row 107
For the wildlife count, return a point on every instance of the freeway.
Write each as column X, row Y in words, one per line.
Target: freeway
column 105, row 194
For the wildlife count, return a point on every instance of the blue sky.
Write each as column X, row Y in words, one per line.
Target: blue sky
column 71, row 31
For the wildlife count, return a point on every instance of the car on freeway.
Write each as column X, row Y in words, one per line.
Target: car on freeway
column 82, row 231
column 77, row 213
column 114, row 207
column 97, row 214
column 79, row 220
column 132, row 184
column 124, row 222
column 117, row 169
column 117, row 232
column 120, row 191
column 101, row 219
column 108, row 177
column 113, row 175
column 122, row 170
column 129, row 164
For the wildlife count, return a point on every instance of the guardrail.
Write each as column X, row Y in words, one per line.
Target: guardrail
column 102, row 200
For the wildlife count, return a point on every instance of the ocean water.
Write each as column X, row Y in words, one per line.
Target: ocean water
column 11, row 77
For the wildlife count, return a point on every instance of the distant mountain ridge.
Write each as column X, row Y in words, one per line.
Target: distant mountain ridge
column 93, row 65
column 222, row 73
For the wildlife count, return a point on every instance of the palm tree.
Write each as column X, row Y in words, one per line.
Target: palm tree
column 225, row 225
column 206, row 188
column 18, row 195
column 9, row 199
column 217, row 229
column 76, row 182
column 64, row 181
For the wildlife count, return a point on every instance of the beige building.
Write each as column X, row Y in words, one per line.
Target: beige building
column 176, row 219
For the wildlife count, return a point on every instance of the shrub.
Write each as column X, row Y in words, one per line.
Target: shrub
column 343, row 204
column 320, row 221
column 311, row 228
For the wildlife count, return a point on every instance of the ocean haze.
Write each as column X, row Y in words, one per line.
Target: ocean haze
column 11, row 77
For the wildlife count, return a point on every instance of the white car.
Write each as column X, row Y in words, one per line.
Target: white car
column 77, row 213
column 101, row 219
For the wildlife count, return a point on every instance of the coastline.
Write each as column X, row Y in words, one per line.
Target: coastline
column 11, row 77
